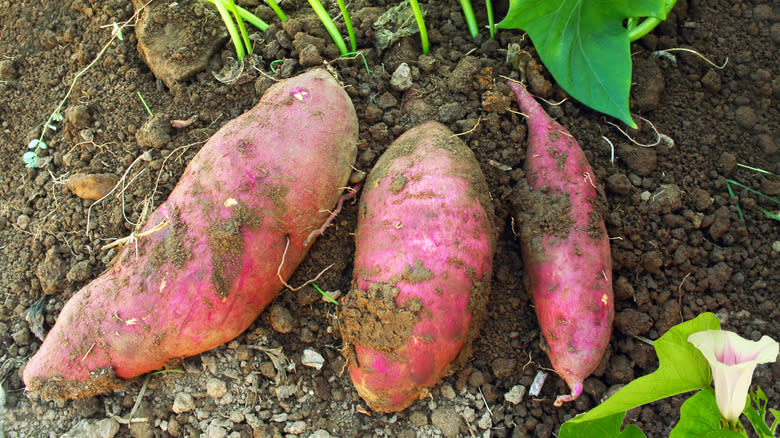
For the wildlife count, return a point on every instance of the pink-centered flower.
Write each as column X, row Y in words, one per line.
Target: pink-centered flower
column 733, row 360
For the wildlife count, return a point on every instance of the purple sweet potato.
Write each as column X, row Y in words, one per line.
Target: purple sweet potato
column 205, row 264
column 565, row 248
column 424, row 250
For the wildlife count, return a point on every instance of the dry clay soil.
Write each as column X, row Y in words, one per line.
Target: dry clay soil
column 680, row 247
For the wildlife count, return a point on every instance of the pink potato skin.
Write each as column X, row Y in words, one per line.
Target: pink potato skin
column 267, row 176
column 570, row 276
column 431, row 237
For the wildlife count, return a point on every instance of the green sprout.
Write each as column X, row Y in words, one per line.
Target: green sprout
column 277, row 9
column 325, row 294
column 348, row 23
column 330, row 26
column 767, row 213
column 235, row 25
column 471, row 20
column 143, row 101
column 418, row 16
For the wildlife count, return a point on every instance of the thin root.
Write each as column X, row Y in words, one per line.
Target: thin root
column 683, row 49
column 351, row 192
column 470, row 130
column 279, row 271
column 133, row 237
column 658, row 137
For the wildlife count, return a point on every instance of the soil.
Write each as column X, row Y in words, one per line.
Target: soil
column 680, row 244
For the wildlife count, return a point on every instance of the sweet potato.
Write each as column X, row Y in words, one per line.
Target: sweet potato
column 205, row 262
column 565, row 248
column 424, row 250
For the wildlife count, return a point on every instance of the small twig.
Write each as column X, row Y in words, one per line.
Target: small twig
column 281, row 264
column 88, row 351
column 485, row 401
column 121, row 181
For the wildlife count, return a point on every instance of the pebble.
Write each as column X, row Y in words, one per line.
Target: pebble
column 215, row 431
column 386, row 100
column 281, row 319
column 87, row 428
column 155, row 133
column 447, row 420
column 619, row 183
column 215, row 388
column 776, row 246
column 78, row 116
column 667, row 198
column 485, row 422
column 320, row 433
column 516, row 394
column 460, row 80
column 183, row 402
column 503, row 367
column 746, row 117
column 312, row 359
column 469, row 415
column 418, row 418
column 310, row 56
column 402, row 77
column 447, row 391
column 79, row 272
column 91, row 186
column 296, row 427
column 52, row 272
column 23, row 221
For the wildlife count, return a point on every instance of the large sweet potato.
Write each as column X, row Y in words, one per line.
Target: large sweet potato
column 208, row 265
column 565, row 247
column 424, row 249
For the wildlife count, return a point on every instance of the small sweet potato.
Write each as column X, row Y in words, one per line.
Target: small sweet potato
column 424, row 250
column 565, row 247
column 205, row 263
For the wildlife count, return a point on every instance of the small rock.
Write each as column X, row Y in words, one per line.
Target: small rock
column 746, row 117
column 281, row 319
column 52, row 272
column 485, row 422
column 426, row 63
column 516, row 394
column 23, row 221
column 447, row 391
column 642, row 161
column 309, row 56
column 7, row 70
column 619, row 183
column 776, row 246
column 720, row 224
column 702, row 199
column 447, row 420
column 216, row 388
column 727, row 163
column 667, row 198
column 632, row 322
column 79, row 272
column 312, row 359
column 320, row 433
column 78, row 116
column 215, row 431
column 91, row 186
column 21, row 337
column 460, row 80
column 711, row 81
column 450, row 112
column 418, row 418
column 88, row 428
column 155, row 133
column 503, row 367
column 402, row 77
column 537, row 83
column 496, row 102
column 386, row 100
column 183, row 402
column 469, row 415
column 296, row 427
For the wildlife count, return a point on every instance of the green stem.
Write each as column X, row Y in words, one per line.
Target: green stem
column 241, row 27
column 253, row 19
column 491, row 20
column 231, row 27
column 330, row 26
column 471, row 20
column 348, row 23
column 277, row 9
column 418, row 16
column 643, row 28
column 143, row 101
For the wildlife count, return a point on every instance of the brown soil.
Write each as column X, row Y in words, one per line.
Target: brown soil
column 681, row 247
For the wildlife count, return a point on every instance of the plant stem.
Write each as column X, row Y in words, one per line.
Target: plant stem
column 253, row 19
column 277, row 9
column 231, row 27
column 471, row 20
column 330, row 26
column 241, row 27
column 143, row 101
column 491, row 20
column 348, row 23
column 638, row 31
column 418, row 16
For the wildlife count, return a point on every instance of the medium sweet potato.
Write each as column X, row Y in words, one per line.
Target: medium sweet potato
column 424, row 250
column 565, row 248
column 206, row 263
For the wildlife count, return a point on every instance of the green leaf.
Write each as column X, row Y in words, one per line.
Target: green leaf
column 681, row 368
column 584, row 45
column 605, row 427
column 756, row 415
column 700, row 417
column 29, row 157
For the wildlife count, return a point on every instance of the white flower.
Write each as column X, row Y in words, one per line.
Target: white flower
column 733, row 360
